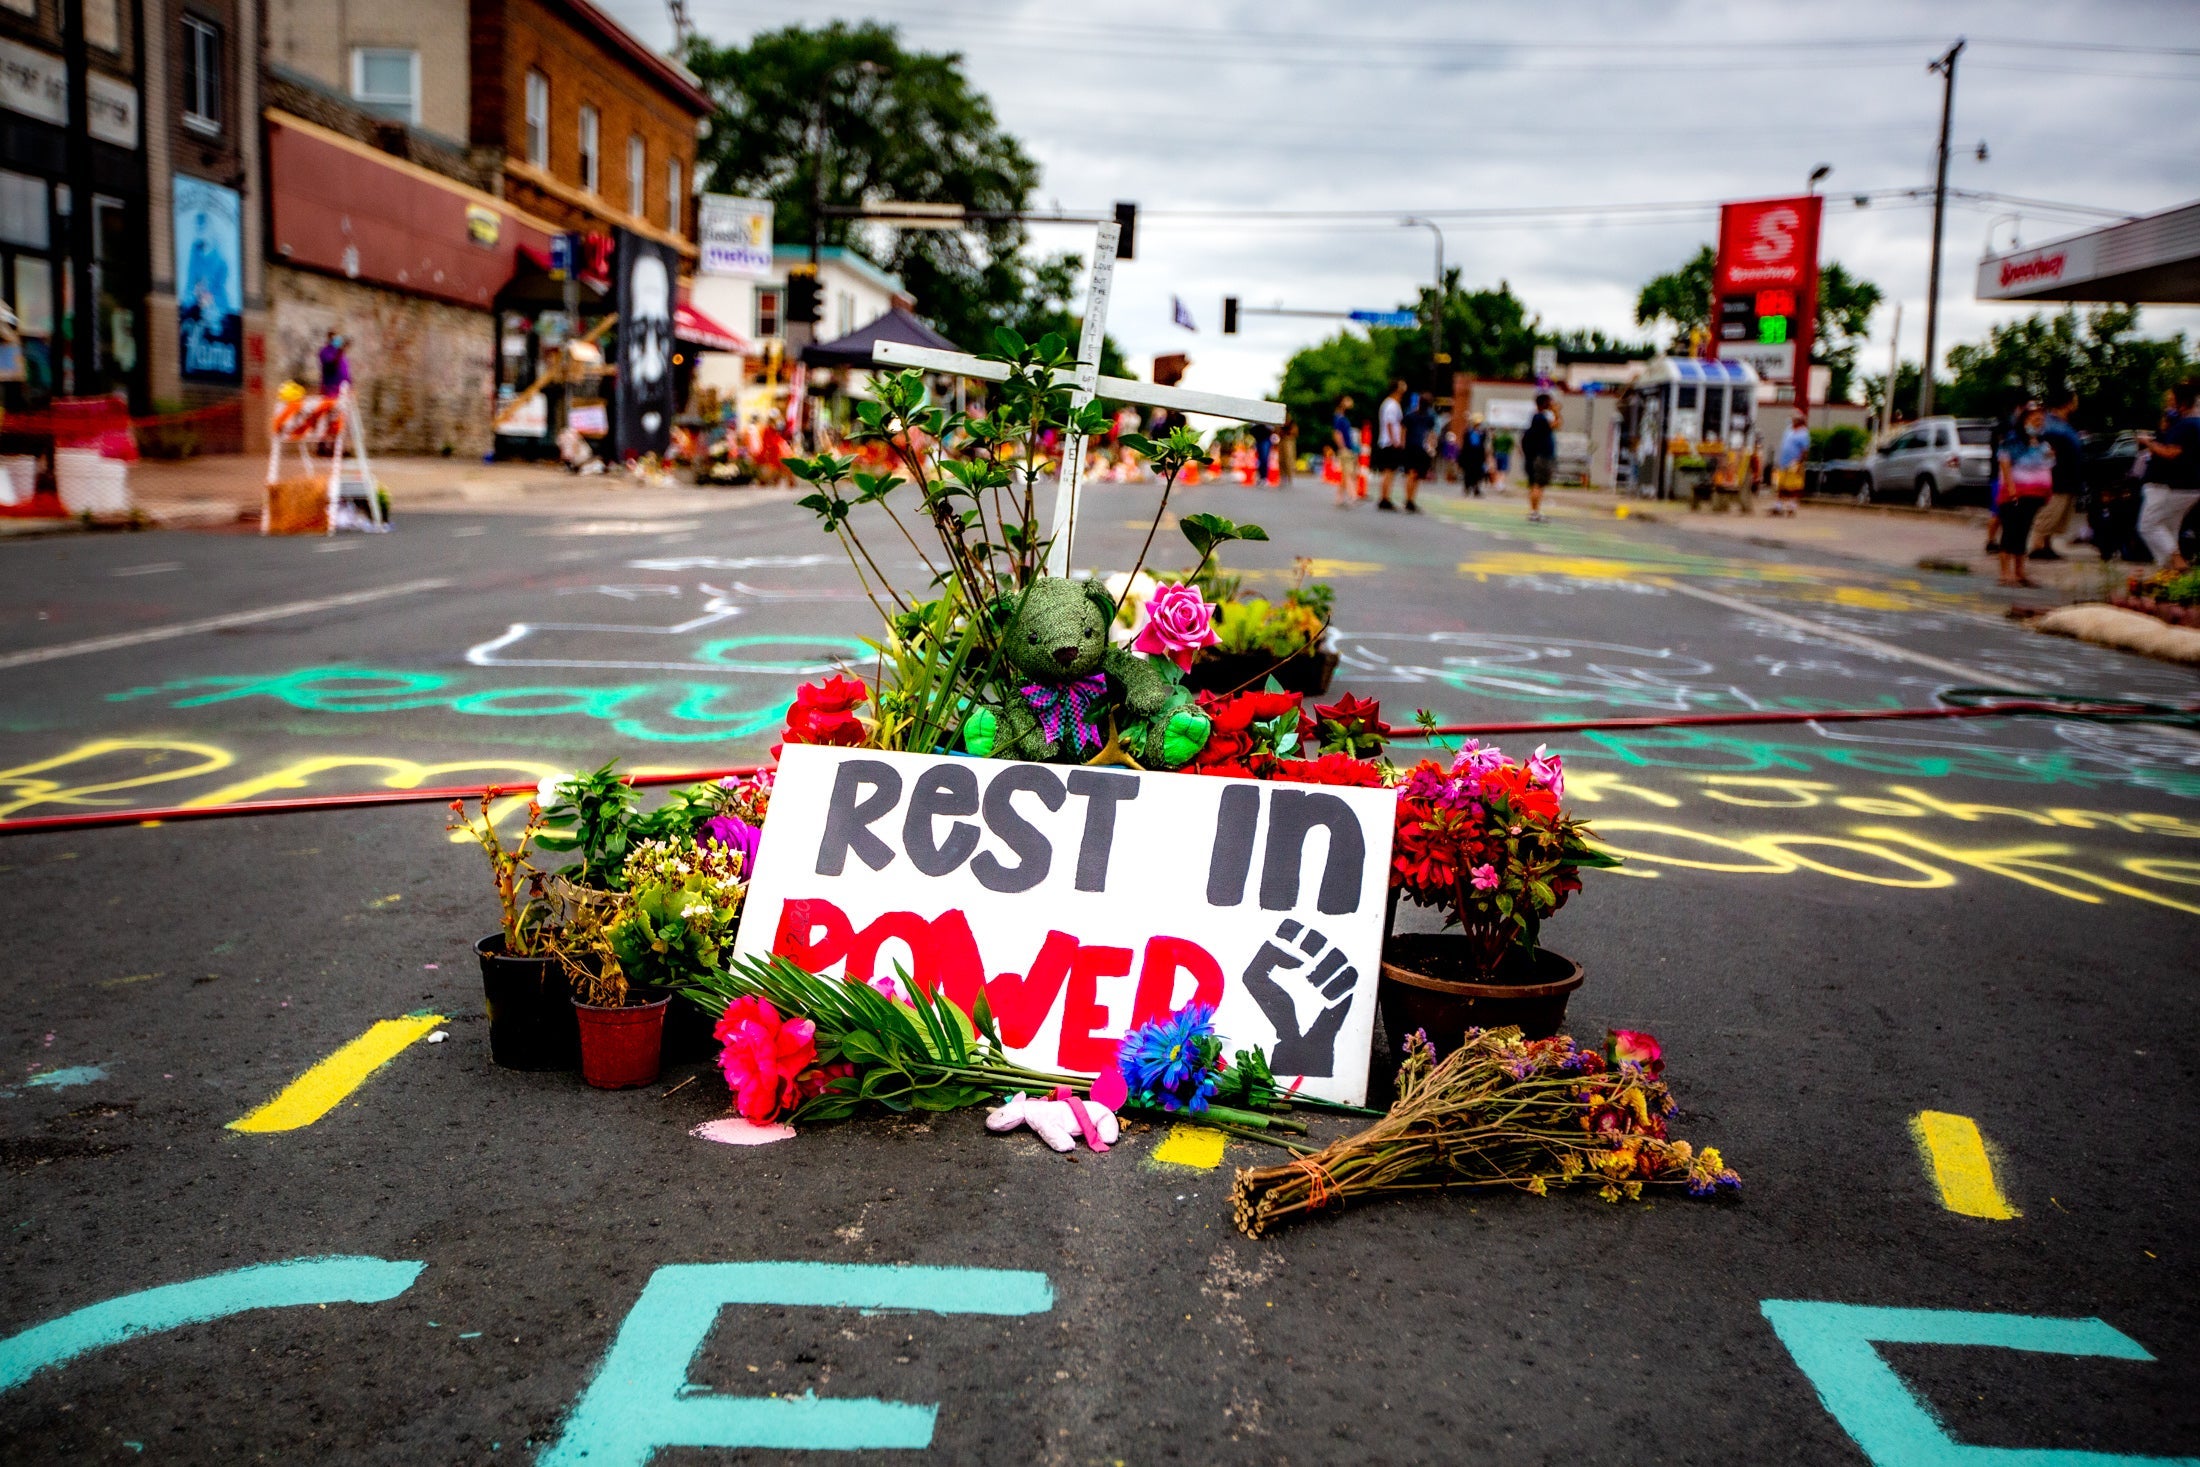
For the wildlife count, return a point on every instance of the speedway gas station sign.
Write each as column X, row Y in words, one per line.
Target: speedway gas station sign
column 1765, row 285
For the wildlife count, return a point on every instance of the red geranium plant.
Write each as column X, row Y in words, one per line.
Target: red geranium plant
column 1488, row 841
column 825, row 713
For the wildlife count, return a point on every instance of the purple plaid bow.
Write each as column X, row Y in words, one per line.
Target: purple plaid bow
column 1071, row 702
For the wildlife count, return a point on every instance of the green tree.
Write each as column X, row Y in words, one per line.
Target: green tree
column 847, row 115
column 1844, row 319
column 1681, row 299
column 2119, row 375
column 1488, row 333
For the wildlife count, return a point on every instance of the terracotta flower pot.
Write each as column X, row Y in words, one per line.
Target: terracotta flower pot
column 622, row 1047
column 1429, row 983
column 531, row 1023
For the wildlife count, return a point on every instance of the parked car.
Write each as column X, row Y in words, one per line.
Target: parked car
column 1931, row 462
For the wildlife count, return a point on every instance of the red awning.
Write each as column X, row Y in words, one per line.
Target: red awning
column 691, row 325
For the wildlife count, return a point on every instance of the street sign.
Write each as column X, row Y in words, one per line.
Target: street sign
column 1766, row 283
column 1546, row 362
column 1386, row 318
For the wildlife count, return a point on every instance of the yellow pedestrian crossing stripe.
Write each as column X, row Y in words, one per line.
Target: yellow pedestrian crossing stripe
column 321, row 1089
column 1955, row 1157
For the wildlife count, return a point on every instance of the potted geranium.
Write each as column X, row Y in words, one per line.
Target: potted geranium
column 530, row 1018
column 1487, row 842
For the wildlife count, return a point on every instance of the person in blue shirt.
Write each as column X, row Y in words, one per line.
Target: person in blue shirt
column 1346, row 440
column 2069, row 450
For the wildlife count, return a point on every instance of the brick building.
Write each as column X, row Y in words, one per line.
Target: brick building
column 408, row 192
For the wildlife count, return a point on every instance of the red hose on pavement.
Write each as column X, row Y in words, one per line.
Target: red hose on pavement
column 2011, row 706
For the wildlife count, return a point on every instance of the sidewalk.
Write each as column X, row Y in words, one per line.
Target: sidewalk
column 222, row 490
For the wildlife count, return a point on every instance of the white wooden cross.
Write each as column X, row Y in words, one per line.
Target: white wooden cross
column 1085, row 384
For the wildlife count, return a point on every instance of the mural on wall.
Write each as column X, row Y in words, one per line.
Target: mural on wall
column 646, row 271
column 209, row 281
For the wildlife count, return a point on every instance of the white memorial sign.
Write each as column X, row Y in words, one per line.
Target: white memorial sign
column 1082, row 900
column 734, row 236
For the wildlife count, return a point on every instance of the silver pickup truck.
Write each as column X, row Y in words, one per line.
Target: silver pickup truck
column 1931, row 462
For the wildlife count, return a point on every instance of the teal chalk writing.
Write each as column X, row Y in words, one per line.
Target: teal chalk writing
column 641, row 1399
column 63, row 1079
column 340, row 1280
column 1833, row 1345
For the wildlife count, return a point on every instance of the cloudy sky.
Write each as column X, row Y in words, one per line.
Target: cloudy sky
column 1217, row 116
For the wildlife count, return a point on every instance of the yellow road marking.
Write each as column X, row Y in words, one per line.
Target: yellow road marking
column 321, row 1089
column 1191, row 1146
column 1955, row 1154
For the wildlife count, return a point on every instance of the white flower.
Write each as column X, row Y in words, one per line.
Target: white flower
column 546, row 793
column 695, row 909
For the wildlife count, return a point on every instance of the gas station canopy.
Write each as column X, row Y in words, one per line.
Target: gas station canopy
column 2153, row 260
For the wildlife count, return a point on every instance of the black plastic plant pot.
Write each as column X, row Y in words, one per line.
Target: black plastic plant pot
column 1429, row 983
column 531, row 1022
column 688, row 1026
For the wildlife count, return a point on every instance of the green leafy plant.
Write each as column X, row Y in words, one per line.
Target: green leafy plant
column 594, row 816
column 519, row 885
column 682, row 904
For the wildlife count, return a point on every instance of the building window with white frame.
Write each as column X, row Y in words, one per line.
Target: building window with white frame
column 386, row 82
column 538, row 119
column 675, row 199
column 591, row 150
column 637, row 181
column 202, row 75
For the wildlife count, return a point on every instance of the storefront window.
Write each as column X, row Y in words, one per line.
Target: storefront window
column 675, row 200
column 25, row 211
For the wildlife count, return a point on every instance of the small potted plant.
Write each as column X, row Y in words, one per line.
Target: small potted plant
column 1487, row 842
column 530, row 1016
column 672, row 921
column 1257, row 639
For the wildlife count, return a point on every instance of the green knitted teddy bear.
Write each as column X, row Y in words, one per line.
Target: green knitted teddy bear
column 1062, row 681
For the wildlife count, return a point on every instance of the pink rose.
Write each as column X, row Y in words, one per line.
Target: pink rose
column 1175, row 622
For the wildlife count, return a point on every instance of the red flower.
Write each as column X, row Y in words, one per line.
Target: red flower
column 824, row 713
column 1333, row 768
column 1523, row 795
column 763, row 1057
column 814, row 1083
column 1353, row 724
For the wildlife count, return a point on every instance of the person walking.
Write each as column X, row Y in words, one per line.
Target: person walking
column 1420, row 427
column 2069, row 451
column 1787, row 465
column 1474, row 458
column 1345, row 439
column 1264, row 447
column 2173, row 475
column 1390, row 441
column 335, row 366
column 1290, row 463
column 1539, row 446
column 2027, row 482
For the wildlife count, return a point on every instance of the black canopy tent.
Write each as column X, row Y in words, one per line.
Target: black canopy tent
column 854, row 349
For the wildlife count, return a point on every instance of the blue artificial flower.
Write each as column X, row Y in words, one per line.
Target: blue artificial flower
column 1168, row 1062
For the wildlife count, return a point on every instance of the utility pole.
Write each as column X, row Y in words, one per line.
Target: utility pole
column 1946, row 66
column 1436, row 357
column 80, row 309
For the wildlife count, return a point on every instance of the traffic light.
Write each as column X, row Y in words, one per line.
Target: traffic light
column 1126, row 223
column 1229, row 315
column 802, row 293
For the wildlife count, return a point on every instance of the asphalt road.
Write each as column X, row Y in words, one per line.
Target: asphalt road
column 1832, row 928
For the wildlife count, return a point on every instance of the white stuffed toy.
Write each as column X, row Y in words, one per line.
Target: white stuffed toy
column 1054, row 1122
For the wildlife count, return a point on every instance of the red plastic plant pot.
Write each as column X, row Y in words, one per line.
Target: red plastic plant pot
column 622, row 1047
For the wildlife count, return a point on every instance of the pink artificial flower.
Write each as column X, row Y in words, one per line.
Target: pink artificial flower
column 763, row 1057
column 1548, row 770
column 1175, row 623
column 1634, row 1047
column 1485, row 878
